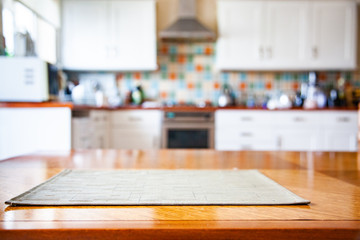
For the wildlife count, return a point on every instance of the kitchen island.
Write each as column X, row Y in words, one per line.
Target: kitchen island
column 331, row 180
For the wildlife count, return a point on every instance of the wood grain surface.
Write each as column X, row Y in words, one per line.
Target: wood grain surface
column 330, row 180
column 35, row 104
column 178, row 108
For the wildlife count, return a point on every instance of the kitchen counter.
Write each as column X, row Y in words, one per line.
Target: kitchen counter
column 49, row 104
column 181, row 108
column 205, row 109
column 330, row 180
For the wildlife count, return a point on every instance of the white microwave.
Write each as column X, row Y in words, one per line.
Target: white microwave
column 25, row 79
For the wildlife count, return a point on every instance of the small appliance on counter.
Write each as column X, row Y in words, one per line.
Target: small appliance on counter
column 27, row 79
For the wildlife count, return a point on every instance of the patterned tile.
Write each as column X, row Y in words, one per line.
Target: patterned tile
column 189, row 68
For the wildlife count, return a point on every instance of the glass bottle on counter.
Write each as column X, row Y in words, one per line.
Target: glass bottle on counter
column 315, row 97
column 137, row 95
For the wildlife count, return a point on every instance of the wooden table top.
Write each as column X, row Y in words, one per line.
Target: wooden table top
column 330, row 180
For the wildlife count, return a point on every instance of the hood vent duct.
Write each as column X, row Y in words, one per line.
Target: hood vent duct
column 187, row 27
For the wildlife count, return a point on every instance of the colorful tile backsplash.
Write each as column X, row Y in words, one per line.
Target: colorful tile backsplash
column 187, row 75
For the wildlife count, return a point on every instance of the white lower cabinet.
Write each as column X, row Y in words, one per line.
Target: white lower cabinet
column 301, row 139
column 134, row 139
column 81, row 136
column 28, row 130
column 286, row 130
column 340, row 140
column 90, row 129
column 246, row 139
column 340, row 131
column 122, row 129
column 135, row 129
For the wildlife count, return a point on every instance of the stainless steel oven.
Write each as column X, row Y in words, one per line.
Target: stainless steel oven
column 188, row 130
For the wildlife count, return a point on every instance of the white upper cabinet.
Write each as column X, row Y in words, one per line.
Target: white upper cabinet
column 134, row 34
column 286, row 35
column 333, row 33
column 109, row 35
column 84, row 32
column 240, row 30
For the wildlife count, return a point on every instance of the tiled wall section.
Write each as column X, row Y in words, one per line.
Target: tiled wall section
column 187, row 75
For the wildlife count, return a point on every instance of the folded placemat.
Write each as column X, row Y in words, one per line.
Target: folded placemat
column 157, row 187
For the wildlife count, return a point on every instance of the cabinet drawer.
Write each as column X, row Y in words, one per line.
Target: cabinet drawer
column 136, row 118
column 340, row 119
column 296, row 119
column 99, row 117
column 246, row 117
column 134, row 139
column 235, row 146
column 308, row 139
column 340, row 140
column 227, row 139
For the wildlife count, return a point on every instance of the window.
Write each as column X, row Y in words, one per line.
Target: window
column 46, row 41
column 8, row 30
column 22, row 23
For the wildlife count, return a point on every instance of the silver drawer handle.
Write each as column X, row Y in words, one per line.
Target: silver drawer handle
column 246, row 119
column 299, row 119
column 343, row 119
column 246, row 134
column 246, row 147
column 135, row 119
column 315, row 52
column 269, row 52
column 261, row 52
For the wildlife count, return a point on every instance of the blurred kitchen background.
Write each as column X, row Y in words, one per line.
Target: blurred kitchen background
column 77, row 36
column 221, row 57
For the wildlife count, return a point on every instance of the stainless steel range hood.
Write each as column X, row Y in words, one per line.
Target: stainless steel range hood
column 187, row 27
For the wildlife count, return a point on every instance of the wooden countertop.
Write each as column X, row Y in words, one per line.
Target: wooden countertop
column 330, row 180
column 164, row 108
column 204, row 109
column 35, row 104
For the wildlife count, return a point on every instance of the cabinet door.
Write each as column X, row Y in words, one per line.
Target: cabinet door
column 135, row 129
column 340, row 140
column 300, row 139
column 253, row 138
column 109, row 35
column 240, row 34
column 339, row 131
column 286, row 34
column 134, row 139
column 81, row 132
column 245, row 130
column 136, row 119
column 100, row 126
column 333, row 34
column 85, row 34
column 299, row 130
column 133, row 39
column 28, row 130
